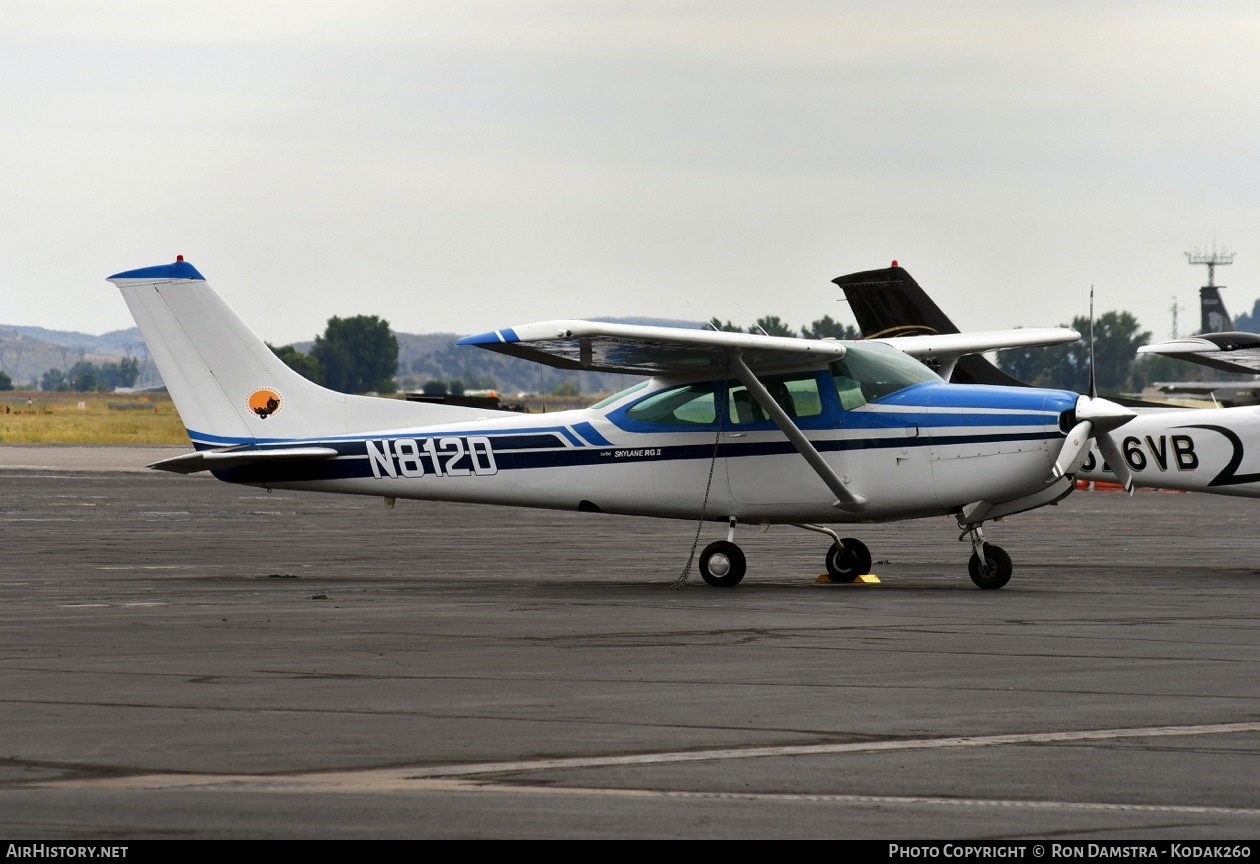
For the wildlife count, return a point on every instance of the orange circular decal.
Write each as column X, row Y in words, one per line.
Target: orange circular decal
column 265, row 402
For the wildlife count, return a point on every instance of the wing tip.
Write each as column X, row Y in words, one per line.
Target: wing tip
column 493, row 337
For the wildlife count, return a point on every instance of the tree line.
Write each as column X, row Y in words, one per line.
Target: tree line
column 825, row 327
column 360, row 355
column 354, row 355
column 88, row 377
column 1117, row 336
column 1117, row 367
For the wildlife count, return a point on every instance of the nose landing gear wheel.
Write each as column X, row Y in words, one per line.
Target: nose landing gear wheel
column 722, row 564
column 847, row 562
column 996, row 569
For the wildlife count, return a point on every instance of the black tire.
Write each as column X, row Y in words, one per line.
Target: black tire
column 845, row 563
column 722, row 564
column 996, row 570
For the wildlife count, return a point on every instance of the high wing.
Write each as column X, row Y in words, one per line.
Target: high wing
column 644, row 350
column 946, row 347
column 1230, row 352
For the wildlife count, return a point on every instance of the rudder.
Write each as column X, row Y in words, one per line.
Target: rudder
column 228, row 386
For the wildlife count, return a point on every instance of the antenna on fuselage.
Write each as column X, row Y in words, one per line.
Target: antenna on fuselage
column 746, row 315
column 708, row 319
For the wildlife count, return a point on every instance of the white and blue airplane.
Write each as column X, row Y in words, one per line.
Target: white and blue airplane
column 729, row 427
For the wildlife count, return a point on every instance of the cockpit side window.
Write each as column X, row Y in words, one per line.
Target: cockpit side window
column 797, row 395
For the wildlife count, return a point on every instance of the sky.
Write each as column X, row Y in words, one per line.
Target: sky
column 465, row 166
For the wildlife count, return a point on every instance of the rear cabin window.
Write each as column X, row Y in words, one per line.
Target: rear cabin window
column 691, row 405
column 618, row 396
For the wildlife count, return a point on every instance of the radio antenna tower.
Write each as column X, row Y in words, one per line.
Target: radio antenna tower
column 1215, row 319
column 1175, row 309
column 1211, row 259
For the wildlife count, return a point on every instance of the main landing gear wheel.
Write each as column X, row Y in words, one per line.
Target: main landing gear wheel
column 722, row 564
column 996, row 569
column 845, row 563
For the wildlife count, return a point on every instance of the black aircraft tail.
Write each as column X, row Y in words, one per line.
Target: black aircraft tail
column 1214, row 317
column 890, row 303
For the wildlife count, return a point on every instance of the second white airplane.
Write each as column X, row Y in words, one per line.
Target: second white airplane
column 1214, row 450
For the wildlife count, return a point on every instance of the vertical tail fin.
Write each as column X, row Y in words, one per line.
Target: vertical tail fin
column 889, row 303
column 228, row 386
column 1214, row 317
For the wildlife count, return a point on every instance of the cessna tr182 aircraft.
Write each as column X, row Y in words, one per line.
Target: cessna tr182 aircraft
column 1214, row 450
column 731, row 427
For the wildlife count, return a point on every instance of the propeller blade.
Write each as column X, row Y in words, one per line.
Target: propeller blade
column 1093, row 385
column 1072, row 454
column 1115, row 460
column 1095, row 418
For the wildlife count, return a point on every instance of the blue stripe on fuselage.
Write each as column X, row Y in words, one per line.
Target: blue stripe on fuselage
column 587, row 431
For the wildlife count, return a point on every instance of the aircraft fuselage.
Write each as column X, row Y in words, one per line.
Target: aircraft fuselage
column 927, row 449
column 1210, row 450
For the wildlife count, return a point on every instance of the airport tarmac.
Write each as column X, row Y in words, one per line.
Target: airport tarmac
column 181, row 658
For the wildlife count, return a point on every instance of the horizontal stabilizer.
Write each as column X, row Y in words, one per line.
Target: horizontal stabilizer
column 209, row 460
column 946, row 345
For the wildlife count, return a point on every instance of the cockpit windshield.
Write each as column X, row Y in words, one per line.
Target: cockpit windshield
column 872, row 371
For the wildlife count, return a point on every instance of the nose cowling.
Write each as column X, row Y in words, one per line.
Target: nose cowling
column 1095, row 418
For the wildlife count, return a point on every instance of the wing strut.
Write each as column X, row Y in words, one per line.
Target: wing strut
column 846, row 499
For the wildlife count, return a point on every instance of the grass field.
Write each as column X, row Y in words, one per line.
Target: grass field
column 36, row 417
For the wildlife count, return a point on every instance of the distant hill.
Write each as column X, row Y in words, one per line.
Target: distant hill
column 26, row 353
column 116, row 342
